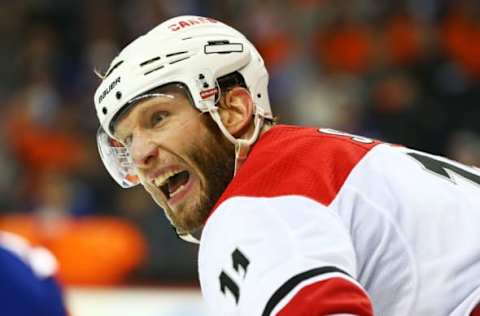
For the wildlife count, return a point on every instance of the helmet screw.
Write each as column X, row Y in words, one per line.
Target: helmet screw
column 104, row 110
column 118, row 95
column 201, row 76
column 259, row 95
column 205, row 85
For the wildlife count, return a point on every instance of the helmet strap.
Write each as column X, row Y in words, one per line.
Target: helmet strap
column 191, row 237
column 242, row 146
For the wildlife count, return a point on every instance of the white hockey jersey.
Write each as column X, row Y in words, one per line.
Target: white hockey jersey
column 318, row 222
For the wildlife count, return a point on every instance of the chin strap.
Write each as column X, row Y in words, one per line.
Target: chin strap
column 189, row 238
column 242, row 146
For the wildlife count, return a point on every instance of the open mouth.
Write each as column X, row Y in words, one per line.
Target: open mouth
column 174, row 183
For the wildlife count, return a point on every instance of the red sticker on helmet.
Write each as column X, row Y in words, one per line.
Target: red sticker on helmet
column 205, row 94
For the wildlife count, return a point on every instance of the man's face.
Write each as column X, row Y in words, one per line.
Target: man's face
column 183, row 160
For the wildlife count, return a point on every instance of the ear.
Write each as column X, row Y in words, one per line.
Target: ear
column 236, row 111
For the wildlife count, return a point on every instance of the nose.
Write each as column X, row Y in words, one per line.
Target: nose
column 142, row 149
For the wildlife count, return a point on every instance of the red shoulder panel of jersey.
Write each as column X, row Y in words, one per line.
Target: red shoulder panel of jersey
column 476, row 311
column 290, row 160
column 330, row 296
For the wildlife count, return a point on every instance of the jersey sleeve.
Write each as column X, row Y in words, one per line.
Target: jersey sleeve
column 286, row 256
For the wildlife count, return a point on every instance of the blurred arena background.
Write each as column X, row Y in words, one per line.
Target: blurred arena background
column 403, row 71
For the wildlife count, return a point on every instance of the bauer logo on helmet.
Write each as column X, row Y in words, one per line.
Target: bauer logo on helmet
column 109, row 88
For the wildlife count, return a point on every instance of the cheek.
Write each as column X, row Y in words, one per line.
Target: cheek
column 184, row 135
column 192, row 138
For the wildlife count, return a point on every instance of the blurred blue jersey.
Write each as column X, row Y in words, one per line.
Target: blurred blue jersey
column 27, row 286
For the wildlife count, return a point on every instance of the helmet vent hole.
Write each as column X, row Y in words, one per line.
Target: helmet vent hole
column 221, row 42
column 104, row 110
column 149, row 61
column 175, row 54
column 113, row 68
column 259, row 95
column 118, row 95
column 178, row 60
column 154, row 69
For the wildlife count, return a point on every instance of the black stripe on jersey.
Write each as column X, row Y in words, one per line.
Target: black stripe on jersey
column 293, row 282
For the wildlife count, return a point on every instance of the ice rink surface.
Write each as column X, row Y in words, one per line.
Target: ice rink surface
column 135, row 301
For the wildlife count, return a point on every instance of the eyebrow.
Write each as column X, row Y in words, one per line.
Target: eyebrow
column 129, row 108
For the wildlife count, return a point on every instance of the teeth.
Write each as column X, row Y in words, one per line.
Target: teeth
column 162, row 179
column 176, row 191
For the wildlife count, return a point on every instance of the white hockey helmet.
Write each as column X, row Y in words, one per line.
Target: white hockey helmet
column 190, row 50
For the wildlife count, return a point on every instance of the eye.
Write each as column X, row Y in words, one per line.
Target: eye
column 157, row 118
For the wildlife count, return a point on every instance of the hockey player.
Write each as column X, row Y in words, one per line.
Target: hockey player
column 291, row 221
column 27, row 286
